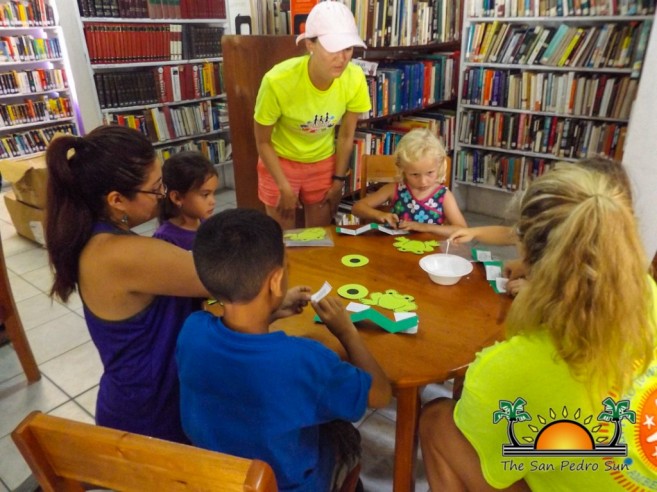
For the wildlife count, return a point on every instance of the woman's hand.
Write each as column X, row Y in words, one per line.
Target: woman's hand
column 295, row 300
column 287, row 204
column 514, row 269
column 333, row 197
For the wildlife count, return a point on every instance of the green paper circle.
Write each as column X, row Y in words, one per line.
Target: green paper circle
column 353, row 291
column 354, row 261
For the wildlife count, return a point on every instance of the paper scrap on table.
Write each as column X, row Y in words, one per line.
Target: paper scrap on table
column 493, row 269
column 481, row 255
column 412, row 330
column 321, row 293
column 500, row 284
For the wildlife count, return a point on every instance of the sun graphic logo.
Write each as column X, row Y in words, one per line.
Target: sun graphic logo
column 565, row 436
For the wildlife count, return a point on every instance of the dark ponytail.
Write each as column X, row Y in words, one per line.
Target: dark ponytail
column 82, row 171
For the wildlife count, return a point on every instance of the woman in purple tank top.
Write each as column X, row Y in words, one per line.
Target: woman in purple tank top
column 99, row 187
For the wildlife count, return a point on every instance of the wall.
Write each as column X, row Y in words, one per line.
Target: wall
column 640, row 156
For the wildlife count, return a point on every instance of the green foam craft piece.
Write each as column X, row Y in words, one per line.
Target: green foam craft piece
column 389, row 325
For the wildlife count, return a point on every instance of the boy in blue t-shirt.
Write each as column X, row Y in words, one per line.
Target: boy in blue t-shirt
column 252, row 393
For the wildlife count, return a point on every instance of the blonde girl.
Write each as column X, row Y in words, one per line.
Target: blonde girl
column 581, row 334
column 419, row 201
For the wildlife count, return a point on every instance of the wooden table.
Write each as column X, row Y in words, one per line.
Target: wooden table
column 454, row 323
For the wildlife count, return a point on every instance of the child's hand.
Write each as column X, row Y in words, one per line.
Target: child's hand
column 464, row 235
column 514, row 269
column 389, row 218
column 514, row 286
column 335, row 316
column 409, row 225
column 295, row 300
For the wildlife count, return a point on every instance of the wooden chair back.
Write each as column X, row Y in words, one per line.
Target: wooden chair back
column 376, row 169
column 65, row 455
column 249, row 57
column 13, row 325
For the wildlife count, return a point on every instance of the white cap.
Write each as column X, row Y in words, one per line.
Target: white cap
column 333, row 24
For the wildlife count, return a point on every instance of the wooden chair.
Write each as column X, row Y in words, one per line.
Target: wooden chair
column 376, row 169
column 65, row 455
column 382, row 169
column 13, row 326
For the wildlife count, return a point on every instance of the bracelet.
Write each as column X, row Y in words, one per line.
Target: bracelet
column 335, row 177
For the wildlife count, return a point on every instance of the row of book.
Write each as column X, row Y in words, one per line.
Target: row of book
column 561, row 137
column 217, row 150
column 154, row 9
column 31, row 81
column 406, row 85
column 616, row 45
column 383, row 140
column 165, row 84
column 564, row 93
column 32, row 141
column 28, row 48
column 384, row 23
column 166, row 123
column 558, row 8
column 26, row 13
column 125, row 42
column 508, row 172
column 34, row 110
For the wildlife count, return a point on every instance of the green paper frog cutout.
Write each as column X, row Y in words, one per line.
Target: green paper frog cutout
column 406, row 245
column 391, row 299
column 311, row 234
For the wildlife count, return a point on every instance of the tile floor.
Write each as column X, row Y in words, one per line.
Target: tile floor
column 71, row 368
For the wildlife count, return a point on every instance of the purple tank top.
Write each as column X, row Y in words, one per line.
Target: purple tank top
column 139, row 387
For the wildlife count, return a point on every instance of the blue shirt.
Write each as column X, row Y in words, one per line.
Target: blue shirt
column 264, row 396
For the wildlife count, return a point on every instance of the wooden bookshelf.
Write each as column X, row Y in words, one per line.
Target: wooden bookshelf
column 36, row 100
column 540, row 87
column 157, row 67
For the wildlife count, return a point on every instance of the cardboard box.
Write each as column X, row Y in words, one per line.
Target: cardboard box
column 28, row 179
column 28, row 221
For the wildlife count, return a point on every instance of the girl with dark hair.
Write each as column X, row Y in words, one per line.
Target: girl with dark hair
column 99, row 187
column 191, row 182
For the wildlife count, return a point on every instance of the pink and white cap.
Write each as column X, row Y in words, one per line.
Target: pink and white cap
column 333, row 24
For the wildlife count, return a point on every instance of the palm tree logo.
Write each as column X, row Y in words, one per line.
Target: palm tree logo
column 564, row 436
column 616, row 412
column 512, row 412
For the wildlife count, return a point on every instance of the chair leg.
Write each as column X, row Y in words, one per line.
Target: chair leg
column 352, row 480
column 16, row 334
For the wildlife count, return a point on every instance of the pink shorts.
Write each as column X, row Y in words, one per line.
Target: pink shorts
column 309, row 181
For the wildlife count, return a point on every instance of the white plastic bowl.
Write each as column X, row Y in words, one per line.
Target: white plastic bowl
column 445, row 269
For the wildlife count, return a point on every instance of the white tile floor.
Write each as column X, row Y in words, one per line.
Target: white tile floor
column 71, row 368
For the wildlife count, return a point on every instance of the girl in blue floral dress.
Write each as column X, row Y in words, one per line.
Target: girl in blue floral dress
column 419, row 201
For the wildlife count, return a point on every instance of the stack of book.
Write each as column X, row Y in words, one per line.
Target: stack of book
column 35, row 110
column 28, row 48
column 30, row 81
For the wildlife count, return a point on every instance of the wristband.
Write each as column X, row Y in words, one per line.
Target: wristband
column 335, row 177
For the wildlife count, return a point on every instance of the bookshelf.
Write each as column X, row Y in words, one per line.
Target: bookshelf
column 157, row 66
column 541, row 83
column 37, row 97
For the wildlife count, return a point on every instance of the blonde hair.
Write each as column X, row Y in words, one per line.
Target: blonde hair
column 588, row 286
column 417, row 144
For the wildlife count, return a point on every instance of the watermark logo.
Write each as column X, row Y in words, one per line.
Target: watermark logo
column 565, row 436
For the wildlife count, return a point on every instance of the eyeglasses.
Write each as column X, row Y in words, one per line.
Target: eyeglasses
column 162, row 192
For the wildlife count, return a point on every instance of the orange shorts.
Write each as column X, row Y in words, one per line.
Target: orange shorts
column 309, row 181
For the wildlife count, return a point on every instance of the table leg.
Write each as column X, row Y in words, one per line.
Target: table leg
column 408, row 415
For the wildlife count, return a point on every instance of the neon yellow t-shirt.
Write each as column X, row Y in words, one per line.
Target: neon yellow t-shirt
column 303, row 116
column 528, row 367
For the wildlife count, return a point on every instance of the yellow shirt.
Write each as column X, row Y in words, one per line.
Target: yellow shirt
column 528, row 367
column 303, row 116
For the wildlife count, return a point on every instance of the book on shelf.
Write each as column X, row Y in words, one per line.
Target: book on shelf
column 154, row 9
column 126, row 42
